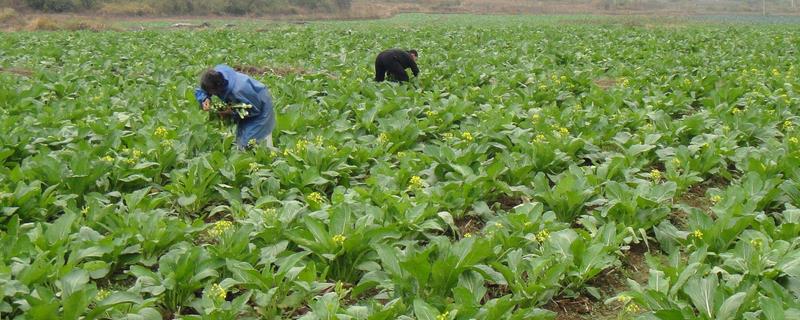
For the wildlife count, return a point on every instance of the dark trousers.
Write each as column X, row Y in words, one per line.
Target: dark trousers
column 393, row 68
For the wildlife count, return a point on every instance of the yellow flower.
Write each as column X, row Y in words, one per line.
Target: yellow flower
column 757, row 243
column 401, row 154
column 382, row 137
column 676, row 161
column 318, row 140
column 443, row 316
column 217, row 292
column 107, row 158
column 563, row 131
column 273, row 154
column 716, row 198
column 655, row 174
column 698, row 234
column 535, row 117
column 528, row 224
column 540, row 138
column 794, row 140
column 625, row 82
column 467, row 235
column 136, row 154
column 431, row 113
column 632, row 308
column 416, row 182
column 736, row 111
column 775, row 72
column 315, row 197
column 467, row 136
column 623, row 298
column 498, row 225
column 85, row 210
column 130, row 161
column 251, row 143
column 160, row 132
column 542, row 236
column 167, row 143
column 447, row 135
column 687, row 82
column 270, row 212
column 102, row 295
column 301, row 145
column 339, row 239
column 542, row 87
column 219, row 228
column 254, row 166
column 563, row 78
column 787, row 125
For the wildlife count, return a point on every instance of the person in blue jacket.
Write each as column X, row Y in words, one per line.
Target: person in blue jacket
column 234, row 88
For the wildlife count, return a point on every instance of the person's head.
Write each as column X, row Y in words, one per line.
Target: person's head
column 413, row 54
column 213, row 82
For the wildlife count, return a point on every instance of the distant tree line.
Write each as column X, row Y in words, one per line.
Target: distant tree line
column 204, row 7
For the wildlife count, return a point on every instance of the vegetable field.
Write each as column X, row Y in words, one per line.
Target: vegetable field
column 538, row 168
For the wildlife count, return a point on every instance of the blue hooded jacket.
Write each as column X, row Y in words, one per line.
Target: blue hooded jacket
column 260, row 120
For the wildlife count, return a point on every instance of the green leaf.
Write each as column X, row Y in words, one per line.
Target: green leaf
column 702, row 292
column 730, row 308
column 424, row 311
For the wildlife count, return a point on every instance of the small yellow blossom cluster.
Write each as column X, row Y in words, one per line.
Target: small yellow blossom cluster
column 108, row 159
column 219, row 228
column 655, row 174
column 315, row 198
column 443, row 316
column 301, row 146
column 217, row 292
column 339, row 239
column 160, row 132
column 788, row 125
column 431, row 113
column 468, row 235
column 416, row 183
column 542, row 236
column 383, row 138
column 563, row 132
column 698, row 234
column 254, row 166
column 794, row 140
column 447, row 135
column 757, row 243
column 716, row 198
column 632, row 308
column 540, row 138
column 467, row 136
column 102, row 295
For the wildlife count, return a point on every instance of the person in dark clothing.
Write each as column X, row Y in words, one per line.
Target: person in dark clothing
column 395, row 62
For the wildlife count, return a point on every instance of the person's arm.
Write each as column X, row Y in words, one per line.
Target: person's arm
column 203, row 99
column 414, row 67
